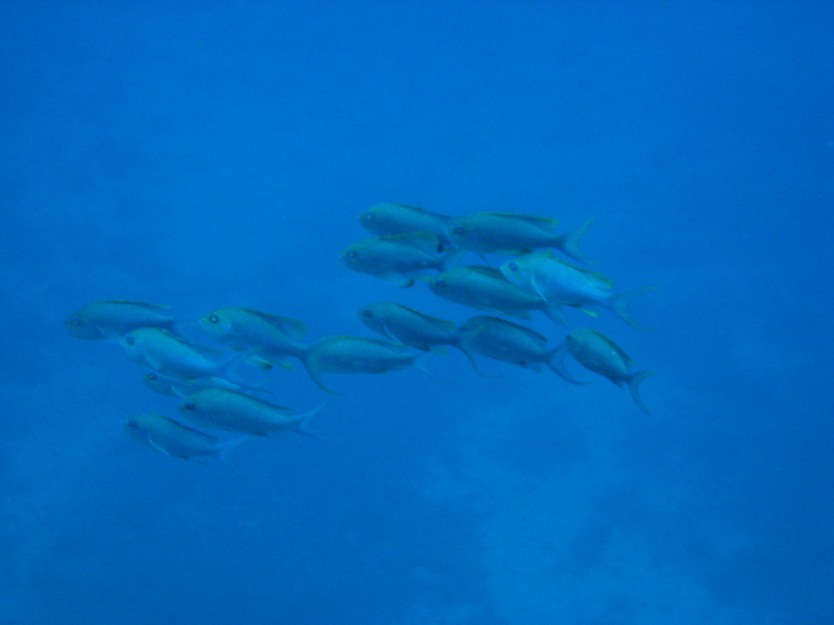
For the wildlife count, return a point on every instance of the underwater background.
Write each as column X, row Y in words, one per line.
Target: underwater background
column 203, row 155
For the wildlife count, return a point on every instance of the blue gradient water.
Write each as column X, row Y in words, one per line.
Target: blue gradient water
column 219, row 156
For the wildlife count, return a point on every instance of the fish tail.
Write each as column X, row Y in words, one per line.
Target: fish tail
column 619, row 304
column 227, row 449
column 554, row 313
column 556, row 362
column 314, row 373
column 569, row 242
column 634, row 387
column 471, row 358
column 451, row 260
column 305, row 420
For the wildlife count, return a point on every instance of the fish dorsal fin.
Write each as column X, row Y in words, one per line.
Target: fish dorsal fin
column 208, row 352
column 614, row 347
column 546, row 224
column 419, row 240
column 293, row 328
column 137, row 304
column 603, row 282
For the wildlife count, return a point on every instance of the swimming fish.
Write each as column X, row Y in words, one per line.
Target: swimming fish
column 268, row 337
column 596, row 352
column 500, row 339
column 389, row 218
column 176, row 387
column 178, row 440
column 222, row 409
column 166, row 353
column 514, row 233
column 398, row 258
column 560, row 283
column 107, row 319
column 349, row 354
column 486, row 289
column 411, row 327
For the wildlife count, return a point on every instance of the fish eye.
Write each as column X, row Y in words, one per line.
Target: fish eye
column 151, row 376
column 512, row 266
column 351, row 254
column 129, row 339
column 132, row 424
column 459, row 230
column 367, row 314
column 75, row 322
column 189, row 406
column 214, row 319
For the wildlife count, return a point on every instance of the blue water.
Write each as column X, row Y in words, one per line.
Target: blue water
column 220, row 155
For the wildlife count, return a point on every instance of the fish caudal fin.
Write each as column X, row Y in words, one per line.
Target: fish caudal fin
column 569, row 242
column 227, row 448
column 556, row 362
column 619, row 304
column 314, row 373
column 305, row 421
column 634, row 388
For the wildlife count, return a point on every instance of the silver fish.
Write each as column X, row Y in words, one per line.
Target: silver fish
column 166, row 353
column 398, row 258
column 486, row 289
column 598, row 353
column 177, row 440
column 349, row 354
column 222, row 409
column 560, row 283
column 108, row 319
column 513, row 233
column 500, row 339
column 389, row 218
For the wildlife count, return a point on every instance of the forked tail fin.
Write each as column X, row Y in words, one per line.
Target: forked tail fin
column 634, row 388
column 619, row 304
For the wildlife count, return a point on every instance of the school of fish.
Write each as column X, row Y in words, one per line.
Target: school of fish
column 519, row 270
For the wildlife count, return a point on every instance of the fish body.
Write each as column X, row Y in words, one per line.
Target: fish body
column 177, row 440
column 486, row 289
column 166, row 353
column 513, row 233
column 176, row 387
column 397, row 257
column 598, row 353
column 244, row 329
column 561, row 283
column 390, row 218
column 108, row 319
column 223, row 409
column 504, row 340
column 349, row 354
column 408, row 326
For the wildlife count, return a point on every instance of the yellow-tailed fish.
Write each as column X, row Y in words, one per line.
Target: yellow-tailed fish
column 349, row 354
column 389, row 218
column 596, row 352
column 486, row 289
column 560, row 283
column 166, row 353
column 514, row 233
column 399, row 258
column 266, row 336
column 500, row 339
column 108, row 319
column 413, row 328
column 177, row 440
column 222, row 409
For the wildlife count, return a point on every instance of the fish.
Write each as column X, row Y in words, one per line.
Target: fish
column 177, row 440
column 413, row 328
column 513, row 233
column 171, row 355
column 350, row 354
column 399, row 258
column 504, row 340
column 175, row 387
column 389, row 218
column 486, row 288
column 598, row 353
column 111, row 319
column 268, row 338
column 562, row 284
column 223, row 409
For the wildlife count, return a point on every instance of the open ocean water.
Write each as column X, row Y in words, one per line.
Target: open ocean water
column 206, row 155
